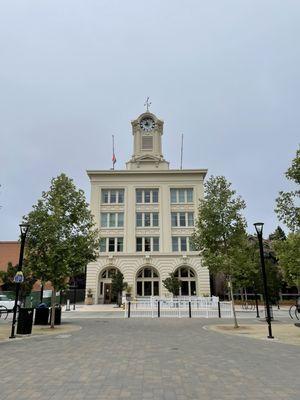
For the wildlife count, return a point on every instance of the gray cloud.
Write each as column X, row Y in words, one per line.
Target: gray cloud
column 73, row 72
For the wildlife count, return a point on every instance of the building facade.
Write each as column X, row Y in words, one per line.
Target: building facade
column 146, row 215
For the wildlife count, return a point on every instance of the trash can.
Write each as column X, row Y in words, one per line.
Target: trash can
column 41, row 314
column 57, row 315
column 25, row 319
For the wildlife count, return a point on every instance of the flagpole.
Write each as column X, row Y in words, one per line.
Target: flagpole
column 181, row 153
column 113, row 151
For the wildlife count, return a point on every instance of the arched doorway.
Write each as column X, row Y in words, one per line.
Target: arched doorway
column 147, row 282
column 187, row 276
column 105, row 293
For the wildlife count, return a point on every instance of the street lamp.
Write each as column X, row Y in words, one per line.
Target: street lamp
column 259, row 231
column 19, row 278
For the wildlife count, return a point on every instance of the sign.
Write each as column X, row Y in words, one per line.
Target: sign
column 19, row 277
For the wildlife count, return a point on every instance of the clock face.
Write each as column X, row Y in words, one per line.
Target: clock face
column 147, row 124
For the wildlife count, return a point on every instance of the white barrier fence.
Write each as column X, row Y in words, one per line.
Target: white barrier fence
column 184, row 307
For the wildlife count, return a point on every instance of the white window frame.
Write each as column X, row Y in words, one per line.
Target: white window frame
column 176, row 190
column 179, row 245
column 186, row 217
column 143, row 190
column 108, row 220
column 115, row 245
column 143, row 244
column 143, row 214
column 118, row 191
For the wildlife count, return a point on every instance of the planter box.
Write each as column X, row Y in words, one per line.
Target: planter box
column 89, row 301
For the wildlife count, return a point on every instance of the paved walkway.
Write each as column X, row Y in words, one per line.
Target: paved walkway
column 139, row 359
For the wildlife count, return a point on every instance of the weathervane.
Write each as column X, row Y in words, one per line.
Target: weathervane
column 147, row 103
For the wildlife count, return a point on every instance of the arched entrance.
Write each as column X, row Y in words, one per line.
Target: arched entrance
column 187, row 276
column 105, row 293
column 147, row 282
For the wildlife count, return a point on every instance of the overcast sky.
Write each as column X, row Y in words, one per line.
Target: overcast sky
column 73, row 72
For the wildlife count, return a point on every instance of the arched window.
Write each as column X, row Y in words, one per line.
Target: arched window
column 147, row 282
column 187, row 277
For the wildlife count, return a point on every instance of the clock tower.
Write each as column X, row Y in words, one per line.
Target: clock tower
column 147, row 131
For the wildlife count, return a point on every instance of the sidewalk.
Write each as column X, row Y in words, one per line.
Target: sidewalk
column 95, row 308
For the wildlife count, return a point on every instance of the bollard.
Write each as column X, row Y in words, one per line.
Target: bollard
column 158, row 309
column 190, row 310
column 219, row 309
column 68, row 305
column 129, row 309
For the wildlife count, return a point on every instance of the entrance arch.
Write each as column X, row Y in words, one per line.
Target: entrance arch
column 147, row 282
column 188, row 279
column 105, row 293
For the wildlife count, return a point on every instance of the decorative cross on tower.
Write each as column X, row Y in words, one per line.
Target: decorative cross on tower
column 147, row 103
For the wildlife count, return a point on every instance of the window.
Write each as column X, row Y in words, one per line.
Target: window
column 147, row 219
column 188, row 281
column 147, row 282
column 112, row 196
column 112, row 220
column 111, row 244
column 139, row 219
column 181, row 243
column 182, row 195
column 103, row 244
column 147, row 243
column 139, row 244
column 139, row 196
column 182, row 219
column 154, row 219
column 147, row 195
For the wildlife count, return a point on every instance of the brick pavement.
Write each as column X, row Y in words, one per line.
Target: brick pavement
column 139, row 359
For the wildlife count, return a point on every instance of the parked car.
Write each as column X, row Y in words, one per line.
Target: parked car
column 6, row 302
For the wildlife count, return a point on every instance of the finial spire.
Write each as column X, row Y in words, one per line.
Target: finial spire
column 147, row 103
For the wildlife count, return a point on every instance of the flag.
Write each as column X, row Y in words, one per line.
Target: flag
column 114, row 160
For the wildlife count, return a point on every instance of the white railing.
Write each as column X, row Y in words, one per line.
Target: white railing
column 183, row 307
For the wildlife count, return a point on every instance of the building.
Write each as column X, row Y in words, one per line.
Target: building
column 146, row 215
column 9, row 252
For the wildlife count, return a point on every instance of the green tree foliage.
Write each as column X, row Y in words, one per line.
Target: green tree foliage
column 287, row 204
column 288, row 253
column 278, row 234
column 220, row 233
column 172, row 284
column 62, row 237
column 117, row 286
column 7, row 278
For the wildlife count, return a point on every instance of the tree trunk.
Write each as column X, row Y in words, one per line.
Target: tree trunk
column 233, row 306
column 52, row 308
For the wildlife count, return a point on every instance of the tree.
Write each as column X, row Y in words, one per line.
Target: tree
column 278, row 234
column 288, row 253
column 7, row 278
column 220, row 233
column 62, row 237
column 117, row 286
column 287, row 204
column 172, row 284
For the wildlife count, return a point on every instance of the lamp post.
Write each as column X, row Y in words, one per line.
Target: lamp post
column 259, row 230
column 24, row 229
